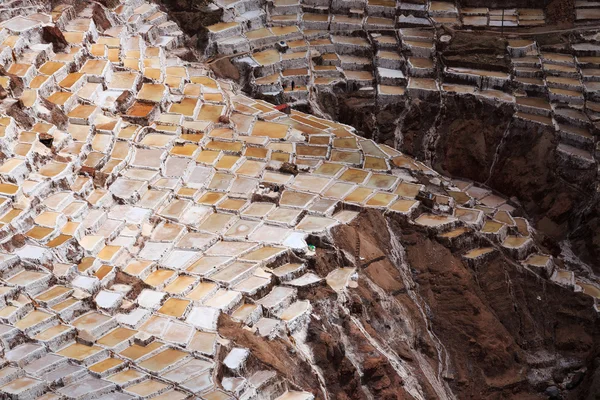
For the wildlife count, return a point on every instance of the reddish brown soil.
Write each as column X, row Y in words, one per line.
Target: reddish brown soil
column 561, row 11
column 276, row 354
column 489, row 320
column 473, row 50
column 223, row 68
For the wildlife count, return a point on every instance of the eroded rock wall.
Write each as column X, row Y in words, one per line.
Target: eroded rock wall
column 496, row 332
column 193, row 16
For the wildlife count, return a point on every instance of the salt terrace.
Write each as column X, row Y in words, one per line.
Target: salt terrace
column 387, row 50
column 141, row 198
column 354, row 42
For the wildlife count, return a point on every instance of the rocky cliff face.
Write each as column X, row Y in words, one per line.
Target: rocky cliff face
column 193, row 16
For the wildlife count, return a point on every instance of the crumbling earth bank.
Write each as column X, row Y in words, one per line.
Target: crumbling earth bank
column 503, row 333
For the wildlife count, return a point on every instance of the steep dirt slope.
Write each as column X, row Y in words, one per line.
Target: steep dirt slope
column 419, row 320
column 491, row 322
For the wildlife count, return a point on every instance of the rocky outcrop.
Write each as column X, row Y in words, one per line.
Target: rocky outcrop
column 472, row 50
column 193, row 16
column 496, row 332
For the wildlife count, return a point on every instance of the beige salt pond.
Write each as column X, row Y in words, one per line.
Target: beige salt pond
column 258, row 210
column 375, row 163
column 312, row 223
column 455, row 233
column 309, row 183
column 244, row 312
column 467, row 215
column 515, row 241
column 180, row 285
column 261, row 33
column 267, row 57
column 404, row 206
column 19, row 387
column 282, row 215
column 91, row 321
column 563, row 277
column 125, row 376
column 53, row 332
column 108, row 364
column 431, row 220
column 230, row 249
column 339, row 278
column 590, row 289
column 32, row 319
column 210, row 198
column 380, row 200
column 82, row 112
column 359, row 75
column 39, row 233
column 538, row 260
column 232, row 205
column 174, row 307
column 227, row 146
column 163, row 360
column 25, row 278
column 159, row 277
column 221, row 26
column 210, row 112
column 295, row 199
column 358, row 195
column 152, row 92
column 242, row 229
column 216, row 222
column 381, row 181
column 202, row 291
column 79, row 352
column 20, row 70
column 94, row 67
column 408, row 190
column 475, row 253
column 188, row 106
column 311, row 151
column 328, row 169
column 492, row 226
column 392, row 90
column 270, row 129
column 459, row 197
column 264, row 253
column 233, row 272
column 353, row 175
column 116, row 337
column 422, row 83
column 53, row 293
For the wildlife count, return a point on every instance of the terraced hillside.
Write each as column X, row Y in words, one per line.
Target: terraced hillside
column 165, row 235
column 455, row 86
